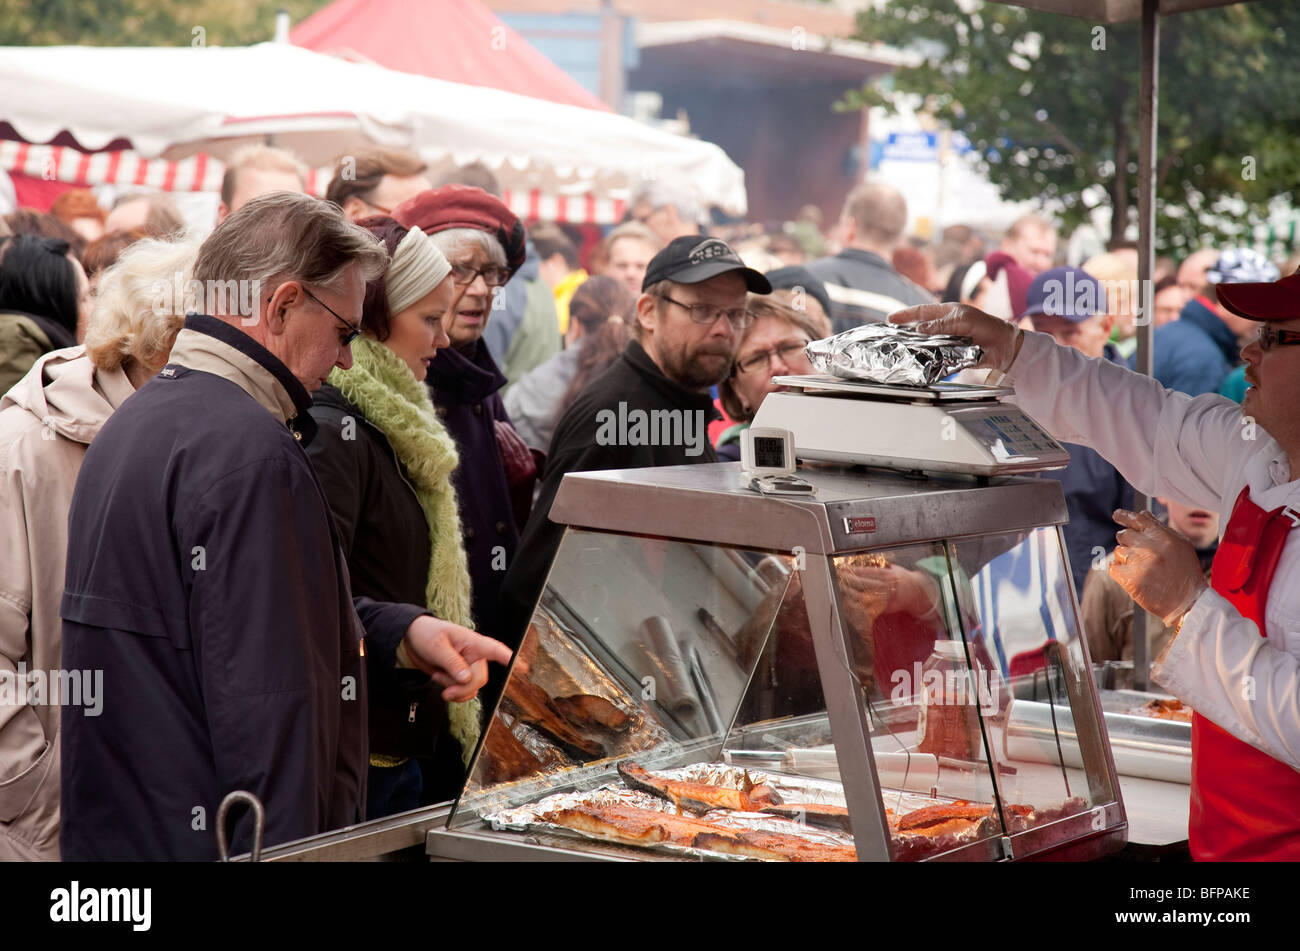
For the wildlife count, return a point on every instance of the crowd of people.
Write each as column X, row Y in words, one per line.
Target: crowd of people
column 287, row 488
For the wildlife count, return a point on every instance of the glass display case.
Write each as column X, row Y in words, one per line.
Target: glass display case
column 890, row 669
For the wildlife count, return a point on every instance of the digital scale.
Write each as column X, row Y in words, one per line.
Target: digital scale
column 943, row 427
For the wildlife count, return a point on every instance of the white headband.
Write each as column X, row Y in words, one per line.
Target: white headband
column 416, row 269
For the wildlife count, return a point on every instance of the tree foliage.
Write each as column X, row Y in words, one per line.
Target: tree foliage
column 143, row 22
column 1050, row 103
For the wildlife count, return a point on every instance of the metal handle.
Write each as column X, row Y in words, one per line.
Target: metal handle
column 259, row 823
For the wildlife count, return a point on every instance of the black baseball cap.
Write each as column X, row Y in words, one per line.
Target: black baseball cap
column 693, row 258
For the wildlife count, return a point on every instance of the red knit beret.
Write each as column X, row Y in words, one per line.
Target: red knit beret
column 464, row 206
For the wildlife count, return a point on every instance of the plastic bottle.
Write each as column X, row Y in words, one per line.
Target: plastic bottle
column 948, row 724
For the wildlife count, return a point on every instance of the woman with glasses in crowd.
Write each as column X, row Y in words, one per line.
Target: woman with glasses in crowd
column 773, row 345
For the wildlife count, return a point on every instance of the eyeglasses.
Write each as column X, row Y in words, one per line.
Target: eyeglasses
column 762, row 359
column 493, row 276
column 739, row 318
column 354, row 331
column 1268, row 338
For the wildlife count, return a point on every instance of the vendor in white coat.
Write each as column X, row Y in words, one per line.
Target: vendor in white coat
column 1235, row 659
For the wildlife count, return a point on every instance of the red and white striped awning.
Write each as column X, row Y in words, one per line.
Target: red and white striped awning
column 534, row 205
column 203, row 172
column 199, row 173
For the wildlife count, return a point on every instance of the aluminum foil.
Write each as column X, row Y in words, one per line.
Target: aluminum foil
column 528, row 818
column 792, row 789
column 893, row 354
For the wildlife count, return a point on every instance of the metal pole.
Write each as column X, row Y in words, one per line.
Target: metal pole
column 1148, row 109
column 281, row 26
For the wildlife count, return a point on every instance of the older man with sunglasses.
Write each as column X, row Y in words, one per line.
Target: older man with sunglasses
column 652, row 406
column 205, row 581
column 1235, row 656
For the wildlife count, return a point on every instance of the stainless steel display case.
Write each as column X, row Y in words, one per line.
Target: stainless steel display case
column 690, row 624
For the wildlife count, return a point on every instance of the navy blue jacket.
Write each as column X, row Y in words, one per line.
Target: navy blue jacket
column 465, row 389
column 1194, row 353
column 205, row 580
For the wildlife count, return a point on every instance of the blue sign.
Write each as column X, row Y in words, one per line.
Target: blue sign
column 911, row 147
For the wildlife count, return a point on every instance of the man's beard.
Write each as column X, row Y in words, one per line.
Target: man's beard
column 696, row 374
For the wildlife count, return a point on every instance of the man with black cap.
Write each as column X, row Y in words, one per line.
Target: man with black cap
column 1235, row 656
column 652, row 406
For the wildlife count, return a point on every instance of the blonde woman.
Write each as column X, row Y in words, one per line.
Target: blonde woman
column 386, row 465
column 46, row 422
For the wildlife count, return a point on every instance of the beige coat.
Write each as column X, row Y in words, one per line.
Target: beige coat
column 46, row 422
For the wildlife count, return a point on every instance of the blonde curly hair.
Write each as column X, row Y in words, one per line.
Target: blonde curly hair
column 137, row 311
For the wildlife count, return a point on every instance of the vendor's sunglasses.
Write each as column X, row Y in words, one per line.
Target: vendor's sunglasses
column 1268, row 338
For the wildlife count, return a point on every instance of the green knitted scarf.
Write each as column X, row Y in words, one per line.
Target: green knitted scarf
column 391, row 398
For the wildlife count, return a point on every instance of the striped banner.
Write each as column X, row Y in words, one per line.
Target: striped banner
column 535, row 205
column 202, row 173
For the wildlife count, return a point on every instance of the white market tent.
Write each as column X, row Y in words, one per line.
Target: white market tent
column 175, row 102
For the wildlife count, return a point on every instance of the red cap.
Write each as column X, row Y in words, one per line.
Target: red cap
column 1271, row 300
column 464, row 206
column 1018, row 280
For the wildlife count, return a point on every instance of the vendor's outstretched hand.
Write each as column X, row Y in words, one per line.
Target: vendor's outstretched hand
column 454, row 656
column 1156, row 566
column 999, row 340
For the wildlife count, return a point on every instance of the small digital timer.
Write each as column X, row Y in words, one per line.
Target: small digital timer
column 766, row 451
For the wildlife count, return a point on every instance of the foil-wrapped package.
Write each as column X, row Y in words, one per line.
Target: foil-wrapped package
column 891, row 353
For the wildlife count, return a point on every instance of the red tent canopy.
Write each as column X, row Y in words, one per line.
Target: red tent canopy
column 457, row 40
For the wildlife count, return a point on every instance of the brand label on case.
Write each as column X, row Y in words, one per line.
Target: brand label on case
column 857, row 525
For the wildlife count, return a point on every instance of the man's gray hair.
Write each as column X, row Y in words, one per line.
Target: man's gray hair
column 659, row 194
column 287, row 236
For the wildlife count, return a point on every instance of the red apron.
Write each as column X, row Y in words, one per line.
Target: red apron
column 1245, row 804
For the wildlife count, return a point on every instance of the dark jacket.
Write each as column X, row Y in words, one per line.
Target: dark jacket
column 464, row 389
column 1093, row 489
column 205, row 581
column 585, row 440
column 1194, row 353
column 385, row 538
column 864, row 288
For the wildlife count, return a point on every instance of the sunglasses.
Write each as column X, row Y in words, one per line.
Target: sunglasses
column 354, row 331
column 1268, row 338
